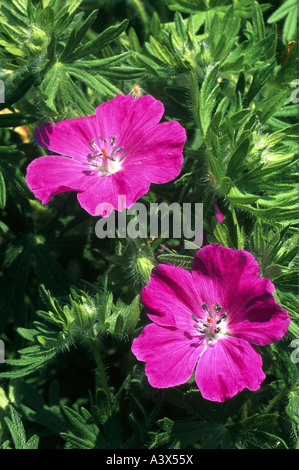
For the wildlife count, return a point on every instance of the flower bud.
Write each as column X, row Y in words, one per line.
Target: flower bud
column 38, row 36
column 31, row 49
column 144, row 268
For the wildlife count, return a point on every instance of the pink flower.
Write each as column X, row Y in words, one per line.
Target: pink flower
column 206, row 320
column 120, row 150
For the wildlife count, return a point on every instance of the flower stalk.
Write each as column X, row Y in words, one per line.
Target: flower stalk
column 101, row 377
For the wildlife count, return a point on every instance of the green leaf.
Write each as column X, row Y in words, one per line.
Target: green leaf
column 28, row 364
column 101, row 41
column 182, row 261
column 16, row 119
column 223, row 34
column 162, row 53
column 258, row 21
column 77, row 35
column 50, row 86
column 237, row 196
column 2, row 192
column 204, row 100
column 253, row 433
column 286, row 8
column 155, row 25
column 222, row 235
column 259, row 80
column 17, row 431
column 134, row 41
column 289, row 11
column 266, row 108
column 48, row 415
column 98, row 65
column 187, row 6
column 97, row 83
column 45, row 19
column 15, row 91
column 238, row 158
column 84, row 433
column 77, row 442
column 132, row 317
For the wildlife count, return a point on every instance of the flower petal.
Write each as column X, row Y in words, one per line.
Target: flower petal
column 128, row 118
column 232, row 279
column 70, row 137
column 107, row 190
column 170, row 355
column 53, row 174
column 262, row 321
column 220, row 273
column 170, row 297
column 228, row 366
column 157, row 156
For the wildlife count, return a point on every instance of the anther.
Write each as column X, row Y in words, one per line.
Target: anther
column 103, row 139
column 205, row 307
column 195, row 318
column 223, row 315
column 217, row 330
column 112, row 140
column 201, row 330
column 116, row 150
column 93, row 155
column 217, row 308
column 93, row 145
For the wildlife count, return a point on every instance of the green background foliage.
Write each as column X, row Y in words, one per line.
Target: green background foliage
column 69, row 302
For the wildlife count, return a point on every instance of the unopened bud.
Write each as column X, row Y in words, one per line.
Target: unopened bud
column 31, row 49
column 38, row 36
column 144, row 268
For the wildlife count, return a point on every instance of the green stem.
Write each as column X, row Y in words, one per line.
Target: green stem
column 275, row 400
column 101, row 378
column 244, row 411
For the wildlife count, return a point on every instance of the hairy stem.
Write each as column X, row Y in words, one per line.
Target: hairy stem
column 101, row 378
column 275, row 400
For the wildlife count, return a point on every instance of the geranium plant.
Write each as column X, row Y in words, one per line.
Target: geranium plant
column 148, row 226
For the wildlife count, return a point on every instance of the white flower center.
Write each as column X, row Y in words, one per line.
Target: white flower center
column 214, row 325
column 106, row 157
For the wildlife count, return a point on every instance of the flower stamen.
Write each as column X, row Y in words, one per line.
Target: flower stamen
column 101, row 155
column 210, row 326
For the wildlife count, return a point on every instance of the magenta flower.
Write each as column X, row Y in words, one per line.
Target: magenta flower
column 206, row 320
column 119, row 151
